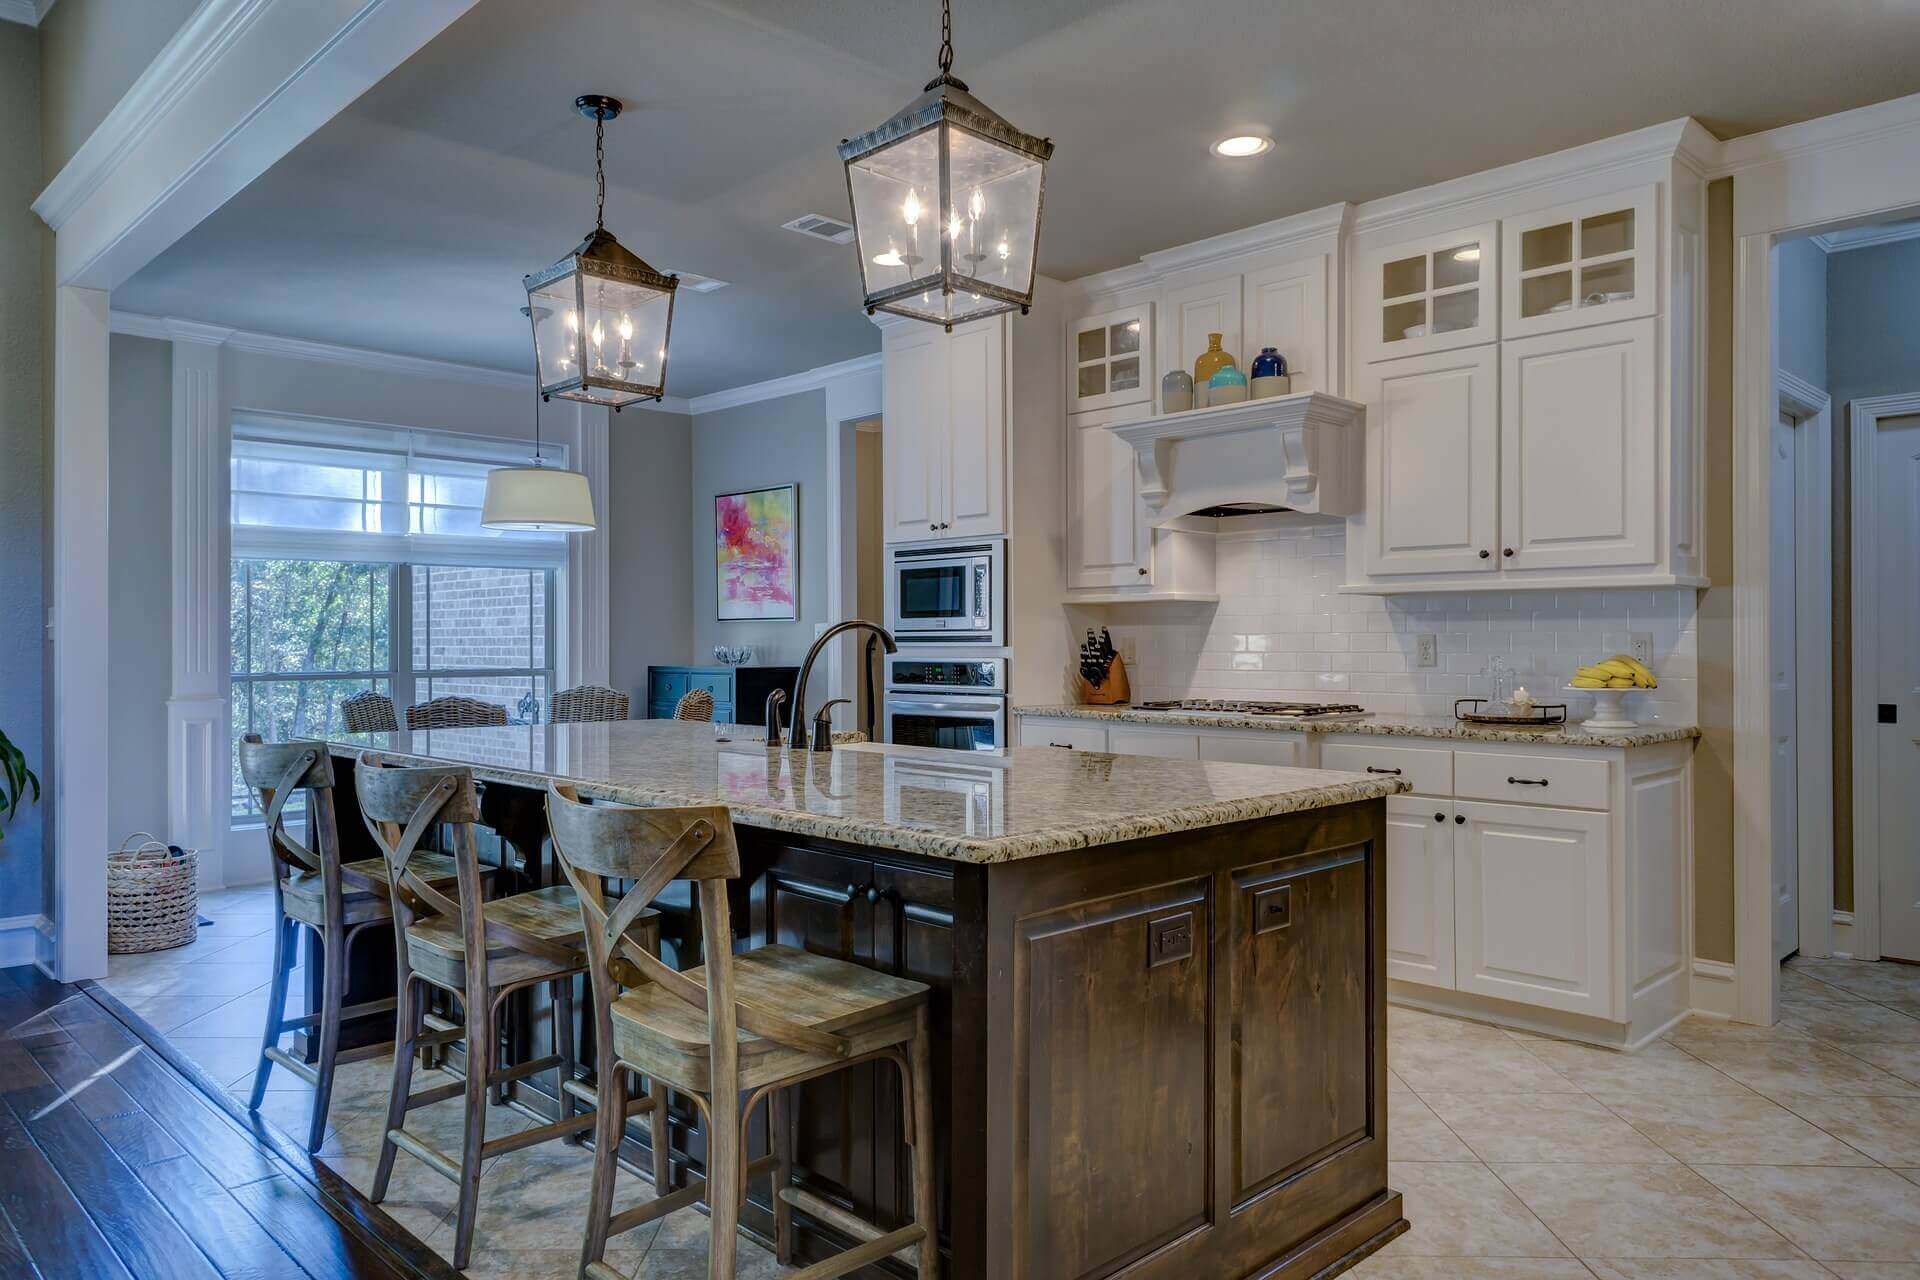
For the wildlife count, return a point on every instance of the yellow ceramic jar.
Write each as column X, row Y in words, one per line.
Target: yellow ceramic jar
column 1211, row 361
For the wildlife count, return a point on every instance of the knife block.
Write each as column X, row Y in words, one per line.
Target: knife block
column 1112, row 691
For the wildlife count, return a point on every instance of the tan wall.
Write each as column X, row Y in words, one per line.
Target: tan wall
column 1713, row 759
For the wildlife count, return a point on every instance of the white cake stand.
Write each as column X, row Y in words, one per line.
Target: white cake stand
column 1609, row 710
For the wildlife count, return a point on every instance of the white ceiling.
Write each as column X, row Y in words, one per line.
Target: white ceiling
column 406, row 223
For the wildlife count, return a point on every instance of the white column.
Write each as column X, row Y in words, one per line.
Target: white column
column 587, row 631
column 77, row 633
column 198, row 732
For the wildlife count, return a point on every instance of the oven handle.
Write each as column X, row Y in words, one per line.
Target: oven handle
column 977, row 706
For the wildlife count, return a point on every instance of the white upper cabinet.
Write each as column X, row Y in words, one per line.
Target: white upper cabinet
column 1110, row 359
column 1433, row 463
column 1196, row 310
column 1109, row 542
column 945, row 423
column 1436, row 293
column 1286, row 309
column 1587, row 262
column 1579, row 435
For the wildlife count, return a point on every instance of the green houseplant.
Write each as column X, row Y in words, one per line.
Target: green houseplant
column 15, row 779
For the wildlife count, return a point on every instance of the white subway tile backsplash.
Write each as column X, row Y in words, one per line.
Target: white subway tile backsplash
column 1283, row 628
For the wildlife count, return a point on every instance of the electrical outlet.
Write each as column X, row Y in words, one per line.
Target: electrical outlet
column 1427, row 649
column 1640, row 644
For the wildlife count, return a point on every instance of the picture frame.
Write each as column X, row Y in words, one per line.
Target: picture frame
column 756, row 546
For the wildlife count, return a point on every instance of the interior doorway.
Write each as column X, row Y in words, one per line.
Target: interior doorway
column 870, row 562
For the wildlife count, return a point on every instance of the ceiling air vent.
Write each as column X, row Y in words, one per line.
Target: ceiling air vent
column 694, row 282
column 821, row 227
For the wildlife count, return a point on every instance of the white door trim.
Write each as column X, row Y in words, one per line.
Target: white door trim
column 1863, row 420
column 1811, row 410
column 852, row 397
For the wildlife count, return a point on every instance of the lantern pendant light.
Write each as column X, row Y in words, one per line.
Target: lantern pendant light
column 539, row 498
column 601, row 316
column 946, row 200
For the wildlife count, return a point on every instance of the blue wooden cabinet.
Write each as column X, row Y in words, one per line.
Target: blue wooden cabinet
column 667, row 685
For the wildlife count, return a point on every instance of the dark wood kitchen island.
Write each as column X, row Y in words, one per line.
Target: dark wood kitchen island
column 1159, row 985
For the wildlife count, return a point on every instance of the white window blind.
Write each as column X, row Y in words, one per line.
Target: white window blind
column 335, row 491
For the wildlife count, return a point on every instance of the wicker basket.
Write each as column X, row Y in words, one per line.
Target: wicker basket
column 153, row 896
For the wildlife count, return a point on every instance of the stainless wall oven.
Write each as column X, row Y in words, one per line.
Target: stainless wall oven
column 948, row 594
column 954, row 702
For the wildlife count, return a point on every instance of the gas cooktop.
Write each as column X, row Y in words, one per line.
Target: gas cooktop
column 1287, row 710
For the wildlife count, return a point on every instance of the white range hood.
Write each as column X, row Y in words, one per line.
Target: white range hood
column 1300, row 453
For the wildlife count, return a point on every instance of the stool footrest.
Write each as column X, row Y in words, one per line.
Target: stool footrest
column 360, row 1053
column 431, row 1156
column 537, row 1134
column 834, row 1216
column 601, row 1271
column 439, row 1093
column 660, row 1206
column 521, row 1070
column 860, row 1255
column 306, row 1071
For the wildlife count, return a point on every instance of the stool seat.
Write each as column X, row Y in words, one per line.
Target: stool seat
column 305, row 891
column 437, row 949
column 663, row 1035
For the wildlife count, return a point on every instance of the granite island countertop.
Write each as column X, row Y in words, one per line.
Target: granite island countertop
column 978, row 807
column 1388, row 726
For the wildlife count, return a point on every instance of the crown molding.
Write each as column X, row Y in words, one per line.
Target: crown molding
column 1293, row 231
column 169, row 329
column 27, row 12
column 1866, row 237
column 1842, row 129
column 792, row 384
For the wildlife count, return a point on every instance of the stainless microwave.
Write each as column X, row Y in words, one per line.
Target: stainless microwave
column 953, row 594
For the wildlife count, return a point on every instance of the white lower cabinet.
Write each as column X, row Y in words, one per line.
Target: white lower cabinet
column 1172, row 744
column 1074, row 735
column 1420, row 861
column 1532, row 906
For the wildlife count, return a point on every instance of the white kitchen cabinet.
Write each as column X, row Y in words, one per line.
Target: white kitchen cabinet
column 1109, row 539
column 1434, row 293
column 945, row 421
column 1420, row 860
column 1433, row 463
column 1137, row 740
column 1286, row 308
column 1533, row 906
column 1074, row 735
column 1579, row 446
column 1193, row 312
column 1283, row 750
column 1110, row 359
column 1589, row 261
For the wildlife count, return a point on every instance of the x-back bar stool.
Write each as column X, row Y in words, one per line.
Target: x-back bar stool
column 481, row 952
column 757, row 1023
column 312, row 887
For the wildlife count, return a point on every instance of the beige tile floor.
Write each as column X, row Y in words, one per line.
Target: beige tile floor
column 1720, row 1153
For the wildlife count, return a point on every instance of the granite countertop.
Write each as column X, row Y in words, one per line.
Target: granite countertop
column 965, row 806
column 1444, row 727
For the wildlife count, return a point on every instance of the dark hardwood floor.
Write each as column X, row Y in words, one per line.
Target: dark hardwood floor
column 119, row 1162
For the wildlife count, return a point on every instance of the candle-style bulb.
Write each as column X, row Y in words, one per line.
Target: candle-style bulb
column 910, row 209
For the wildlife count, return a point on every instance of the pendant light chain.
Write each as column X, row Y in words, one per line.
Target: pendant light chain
column 600, row 170
column 538, row 461
column 946, row 37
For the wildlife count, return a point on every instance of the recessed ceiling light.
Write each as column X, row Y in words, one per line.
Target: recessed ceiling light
column 1242, row 145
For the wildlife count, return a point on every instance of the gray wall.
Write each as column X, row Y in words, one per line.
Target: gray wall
column 649, row 532
column 1873, row 322
column 24, row 243
column 93, row 51
column 139, row 515
column 1802, row 310
column 757, row 446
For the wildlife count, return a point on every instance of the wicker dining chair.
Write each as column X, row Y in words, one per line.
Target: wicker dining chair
column 369, row 712
column 589, row 702
column 695, row 704
column 455, row 712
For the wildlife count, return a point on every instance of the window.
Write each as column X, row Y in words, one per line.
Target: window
column 359, row 564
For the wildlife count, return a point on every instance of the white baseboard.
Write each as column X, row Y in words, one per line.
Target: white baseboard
column 20, row 939
column 1715, row 991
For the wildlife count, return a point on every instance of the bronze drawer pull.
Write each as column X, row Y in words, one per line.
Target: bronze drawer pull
column 1394, row 772
column 1527, row 782
column 1064, row 746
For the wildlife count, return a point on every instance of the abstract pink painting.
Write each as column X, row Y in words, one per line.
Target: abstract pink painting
column 757, row 554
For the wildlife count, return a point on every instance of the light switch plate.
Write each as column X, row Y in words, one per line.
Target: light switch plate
column 1427, row 649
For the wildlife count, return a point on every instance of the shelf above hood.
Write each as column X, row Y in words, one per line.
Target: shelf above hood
column 1302, row 453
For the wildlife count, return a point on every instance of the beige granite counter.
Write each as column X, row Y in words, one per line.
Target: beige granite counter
column 1444, row 727
column 968, row 807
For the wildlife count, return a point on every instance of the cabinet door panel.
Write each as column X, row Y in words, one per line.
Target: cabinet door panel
column 1195, row 311
column 1533, row 906
column 913, row 938
column 1434, row 293
column 1588, row 262
column 1108, row 538
column 913, row 423
column 1433, row 430
column 1580, row 484
column 975, row 461
column 1420, row 890
column 1287, row 310
column 1301, row 942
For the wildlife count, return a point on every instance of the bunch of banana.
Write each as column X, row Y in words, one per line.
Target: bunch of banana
column 1621, row 671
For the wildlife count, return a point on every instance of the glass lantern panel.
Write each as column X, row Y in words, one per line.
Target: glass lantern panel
column 955, row 308
column 896, row 199
column 626, row 329
column 995, row 217
column 556, row 330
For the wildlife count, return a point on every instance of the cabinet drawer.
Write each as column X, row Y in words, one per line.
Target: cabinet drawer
column 1527, row 779
column 1168, row 744
column 1429, row 769
column 1072, row 734
column 1256, row 746
column 717, row 683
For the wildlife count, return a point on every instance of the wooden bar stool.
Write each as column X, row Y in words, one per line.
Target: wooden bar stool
column 312, row 887
column 478, row 951
column 757, row 1023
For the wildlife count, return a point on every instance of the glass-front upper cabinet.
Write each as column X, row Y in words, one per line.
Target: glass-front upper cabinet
column 1431, row 294
column 1582, row 263
column 1110, row 359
